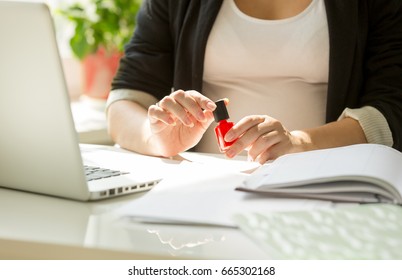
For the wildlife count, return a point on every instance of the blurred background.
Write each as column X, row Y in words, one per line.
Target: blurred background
column 91, row 35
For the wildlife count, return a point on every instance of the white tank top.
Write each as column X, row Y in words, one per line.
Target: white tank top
column 269, row 67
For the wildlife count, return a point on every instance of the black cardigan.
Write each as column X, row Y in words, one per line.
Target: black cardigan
column 365, row 67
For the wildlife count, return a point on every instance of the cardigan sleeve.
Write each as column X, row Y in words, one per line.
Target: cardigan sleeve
column 373, row 123
column 140, row 97
column 383, row 67
column 147, row 65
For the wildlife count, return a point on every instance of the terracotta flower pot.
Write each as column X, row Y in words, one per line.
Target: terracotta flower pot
column 98, row 72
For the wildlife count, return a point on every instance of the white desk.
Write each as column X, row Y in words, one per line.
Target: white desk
column 36, row 226
column 40, row 227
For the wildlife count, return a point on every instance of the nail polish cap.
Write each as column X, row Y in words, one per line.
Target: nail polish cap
column 220, row 113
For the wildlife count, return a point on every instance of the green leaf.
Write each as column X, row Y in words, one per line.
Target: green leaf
column 112, row 29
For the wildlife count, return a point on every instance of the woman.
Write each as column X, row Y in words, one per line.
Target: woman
column 300, row 75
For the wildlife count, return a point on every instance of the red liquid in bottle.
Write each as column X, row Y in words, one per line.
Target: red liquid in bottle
column 220, row 130
column 221, row 116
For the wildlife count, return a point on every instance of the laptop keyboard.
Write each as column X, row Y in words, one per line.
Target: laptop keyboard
column 96, row 173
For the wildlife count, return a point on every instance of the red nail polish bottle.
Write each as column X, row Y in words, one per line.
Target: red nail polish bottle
column 221, row 116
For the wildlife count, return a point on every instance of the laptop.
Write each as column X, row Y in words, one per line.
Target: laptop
column 39, row 149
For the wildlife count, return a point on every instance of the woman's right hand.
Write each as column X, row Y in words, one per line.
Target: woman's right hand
column 179, row 121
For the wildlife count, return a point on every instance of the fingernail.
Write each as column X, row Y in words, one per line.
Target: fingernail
column 230, row 153
column 187, row 121
column 229, row 136
column 211, row 105
column 171, row 121
column 200, row 116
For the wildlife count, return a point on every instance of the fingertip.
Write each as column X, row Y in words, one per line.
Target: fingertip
column 209, row 116
column 210, row 105
column 230, row 136
column 230, row 153
column 171, row 122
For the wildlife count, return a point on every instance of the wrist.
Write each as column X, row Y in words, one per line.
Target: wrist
column 335, row 134
column 302, row 141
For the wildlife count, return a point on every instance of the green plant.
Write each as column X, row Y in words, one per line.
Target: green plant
column 106, row 24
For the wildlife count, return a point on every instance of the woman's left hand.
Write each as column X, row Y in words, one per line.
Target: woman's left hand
column 264, row 138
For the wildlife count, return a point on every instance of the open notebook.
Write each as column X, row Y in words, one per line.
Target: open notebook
column 39, row 150
column 364, row 173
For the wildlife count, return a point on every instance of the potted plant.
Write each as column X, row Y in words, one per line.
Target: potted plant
column 102, row 28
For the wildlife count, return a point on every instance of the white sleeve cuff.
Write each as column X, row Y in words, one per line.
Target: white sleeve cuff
column 140, row 97
column 373, row 123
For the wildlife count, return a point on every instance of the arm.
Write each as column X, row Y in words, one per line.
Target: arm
column 128, row 126
column 266, row 138
column 145, row 76
column 335, row 134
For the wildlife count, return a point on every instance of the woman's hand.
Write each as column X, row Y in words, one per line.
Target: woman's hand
column 264, row 138
column 179, row 121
